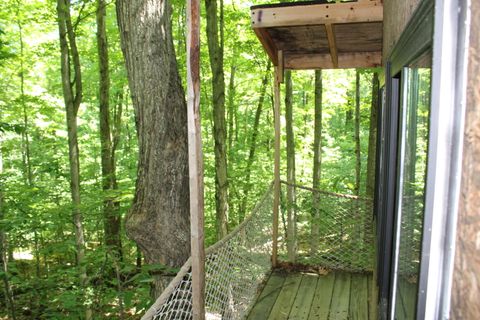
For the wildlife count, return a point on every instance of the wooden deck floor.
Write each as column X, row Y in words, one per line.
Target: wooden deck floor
column 337, row 295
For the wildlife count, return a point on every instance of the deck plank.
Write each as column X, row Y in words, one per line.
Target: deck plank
column 323, row 296
column 372, row 299
column 283, row 304
column 409, row 297
column 267, row 298
column 340, row 297
column 303, row 301
column 358, row 309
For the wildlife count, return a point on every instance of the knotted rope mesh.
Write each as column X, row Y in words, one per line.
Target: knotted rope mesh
column 334, row 231
column 234, row 268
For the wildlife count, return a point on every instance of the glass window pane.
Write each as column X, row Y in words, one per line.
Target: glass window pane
column 415, row 109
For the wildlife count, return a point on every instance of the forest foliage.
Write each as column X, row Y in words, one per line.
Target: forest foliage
column 38, row 243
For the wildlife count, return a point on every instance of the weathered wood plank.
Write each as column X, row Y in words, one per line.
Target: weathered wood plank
column 372, row 294
column 340, row 297
column 303, row 301
column 332, row 44
column 267, row 298
column 283, row 304
column 323, row 296
column 409, row 297
column 358, row 297
column 195, row 160
column 276, row 169
column 315, row 14
column 324, row 61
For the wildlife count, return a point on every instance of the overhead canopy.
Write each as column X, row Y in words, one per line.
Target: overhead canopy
column 321, row 34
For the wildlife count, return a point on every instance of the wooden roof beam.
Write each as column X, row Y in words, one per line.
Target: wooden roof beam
column 324, row 61
column 332, row 44
column 315, row 14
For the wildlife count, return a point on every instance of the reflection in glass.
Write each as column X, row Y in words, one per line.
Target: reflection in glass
column 415, row 109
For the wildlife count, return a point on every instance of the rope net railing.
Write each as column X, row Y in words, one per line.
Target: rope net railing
column 234, row 268
column 331, row 230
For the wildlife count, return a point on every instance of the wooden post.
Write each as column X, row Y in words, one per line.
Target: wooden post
column 276, row 187
column 195, row 159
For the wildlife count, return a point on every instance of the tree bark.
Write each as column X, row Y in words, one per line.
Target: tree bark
column 9, row 302
column 111, row 215
column 466, row 274
column 231, row 109
column 253, row 145
column 158, row 220
column 317, row 160
column 72, row 93
column 358, row 163
column 291, row 212
column 215, row 51
column 372, row 138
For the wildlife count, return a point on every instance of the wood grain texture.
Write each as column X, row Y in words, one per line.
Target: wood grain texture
column 358, row 309
column 466, row 275
column 195, row 158
column 396, row 16
column 276, row 169
column 267, row 298
column 320, row 308
column 340, row 297
column 324, row 61
column 303, row 301
column 315, row 14
column 281, row 308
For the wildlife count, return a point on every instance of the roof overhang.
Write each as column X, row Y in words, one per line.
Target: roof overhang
column 321, row 34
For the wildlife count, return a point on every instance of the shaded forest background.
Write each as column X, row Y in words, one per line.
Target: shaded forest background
column 37, row 239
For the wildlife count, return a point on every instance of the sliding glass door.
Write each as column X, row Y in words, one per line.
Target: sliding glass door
column 411, row 182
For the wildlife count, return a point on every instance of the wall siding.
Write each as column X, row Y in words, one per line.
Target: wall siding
column 466, row 277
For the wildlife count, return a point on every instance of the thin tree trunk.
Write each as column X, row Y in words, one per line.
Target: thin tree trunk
column 291, row 212
column 317, row 161
column 372, row 138
column 72, row 93
column 231, row 106
column 158, row 220
column 215, row 50
column 3, row 254
column 253, row 145
column 111, row 215
column 358, row 162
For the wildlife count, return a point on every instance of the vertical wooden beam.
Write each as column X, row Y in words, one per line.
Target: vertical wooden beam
column 195, row 159
column 332, row 44
column 276, row 173
column 280, row 67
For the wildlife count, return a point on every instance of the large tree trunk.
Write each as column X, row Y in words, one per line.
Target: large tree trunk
column 111, row 215
column 253, row 146
column 317, row 161
column 291, row 212
column 159, row 218
column 72, row 93
column 215, row 50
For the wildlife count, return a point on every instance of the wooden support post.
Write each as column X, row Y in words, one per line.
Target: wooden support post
column 332, row 44
column 279, row 70
column 195, row 159
column 276, row 187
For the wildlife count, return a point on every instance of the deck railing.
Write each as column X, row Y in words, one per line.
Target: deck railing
column 234, row 267
column 331, row 230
